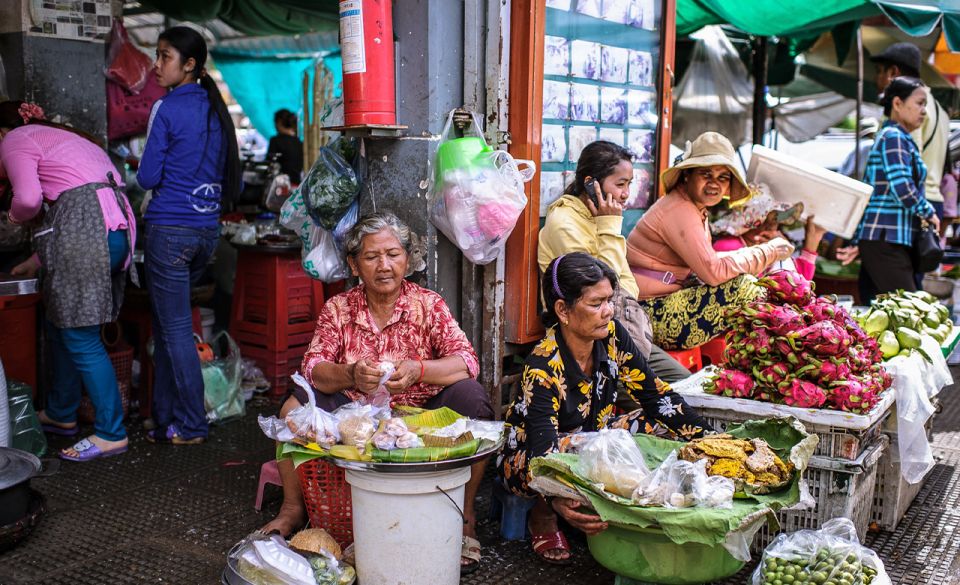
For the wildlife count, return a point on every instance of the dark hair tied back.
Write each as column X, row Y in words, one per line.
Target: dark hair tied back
column 598, row 160
column 566, row 277
column 285, row 119
column 900, row 87
column 190, row 44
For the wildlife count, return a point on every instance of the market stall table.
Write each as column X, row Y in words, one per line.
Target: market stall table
column 19, row 298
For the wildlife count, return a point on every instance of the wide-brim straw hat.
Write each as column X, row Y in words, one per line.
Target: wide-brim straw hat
column 708, row 150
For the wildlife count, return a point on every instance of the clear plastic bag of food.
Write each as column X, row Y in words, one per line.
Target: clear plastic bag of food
column 612, row 459
column 334, row 181
column 309, row 423
column 832, row 554
column 676, row 483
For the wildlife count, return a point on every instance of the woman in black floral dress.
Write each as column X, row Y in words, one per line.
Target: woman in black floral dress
column 569, row 385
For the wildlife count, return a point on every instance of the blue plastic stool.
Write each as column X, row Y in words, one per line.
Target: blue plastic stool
column 512, row 512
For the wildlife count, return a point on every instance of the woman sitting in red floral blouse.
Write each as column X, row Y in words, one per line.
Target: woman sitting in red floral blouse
column 387, row 318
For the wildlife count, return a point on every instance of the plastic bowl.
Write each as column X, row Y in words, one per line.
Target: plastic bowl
column 647, row 554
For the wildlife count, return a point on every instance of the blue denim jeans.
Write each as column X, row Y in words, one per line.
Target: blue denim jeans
column 79, row 357
column 176, row 258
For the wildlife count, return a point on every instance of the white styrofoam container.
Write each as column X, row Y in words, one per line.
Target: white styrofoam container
column 836, row 200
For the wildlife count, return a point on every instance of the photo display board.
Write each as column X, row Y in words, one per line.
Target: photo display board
column 601, row 59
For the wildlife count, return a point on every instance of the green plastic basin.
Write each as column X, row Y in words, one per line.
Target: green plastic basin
column 648, row 555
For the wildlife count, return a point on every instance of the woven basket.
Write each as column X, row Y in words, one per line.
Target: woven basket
column 326, row 496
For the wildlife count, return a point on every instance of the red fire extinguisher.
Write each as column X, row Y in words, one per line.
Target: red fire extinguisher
column 366, row 46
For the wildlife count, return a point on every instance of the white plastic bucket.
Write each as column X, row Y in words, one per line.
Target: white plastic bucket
column 207, row 319
column 405, row 530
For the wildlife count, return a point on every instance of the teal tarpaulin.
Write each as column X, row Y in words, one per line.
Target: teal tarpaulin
column 264, row 85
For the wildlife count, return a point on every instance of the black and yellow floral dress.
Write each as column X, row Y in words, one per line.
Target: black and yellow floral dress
column 557, row 400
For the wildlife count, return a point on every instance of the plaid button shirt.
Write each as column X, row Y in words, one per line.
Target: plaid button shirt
column 897, row 173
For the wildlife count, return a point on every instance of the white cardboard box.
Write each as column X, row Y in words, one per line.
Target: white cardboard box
column 836, row 200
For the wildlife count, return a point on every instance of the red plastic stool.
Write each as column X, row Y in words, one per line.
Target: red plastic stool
column 268, row 474
column 711, row 352
column 688, row 358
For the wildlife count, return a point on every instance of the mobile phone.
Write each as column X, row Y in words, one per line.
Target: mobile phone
column 592, row 191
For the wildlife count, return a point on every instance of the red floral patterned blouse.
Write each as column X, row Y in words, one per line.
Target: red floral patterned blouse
column 421, row 327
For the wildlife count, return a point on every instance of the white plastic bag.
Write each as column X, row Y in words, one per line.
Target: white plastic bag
column 682, row 484
column 832, row 554
column 476, row 199
column 322, row 259
column 612, row 459
column 306, row 423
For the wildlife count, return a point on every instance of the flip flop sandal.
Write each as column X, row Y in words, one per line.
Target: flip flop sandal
column 61, row 431
column 171, row 437
column 542, row 543
column 470, row 550
column 87, row 451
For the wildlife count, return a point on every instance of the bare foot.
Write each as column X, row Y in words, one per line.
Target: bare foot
column 46, row 420
column 543, row 520
column 290, row 518
column 469, row 530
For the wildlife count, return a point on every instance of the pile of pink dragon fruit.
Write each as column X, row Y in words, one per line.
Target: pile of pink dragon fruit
column 796, row 349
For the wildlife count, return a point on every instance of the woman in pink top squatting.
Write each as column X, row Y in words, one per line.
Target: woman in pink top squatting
column 84, row 246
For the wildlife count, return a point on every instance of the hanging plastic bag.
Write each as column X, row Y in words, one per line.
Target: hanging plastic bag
column 127, row 65
column 476, row 194
column 613, row 460
column 832, row 554
column 322, row 259
column 277, row 192
column 346, row 222
column 334, row 181
column 128, row 113
column 223, row 380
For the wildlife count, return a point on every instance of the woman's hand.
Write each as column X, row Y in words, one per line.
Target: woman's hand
column 783, row 248
column 935, row 221
column 848, row 254
column 608, row 203
column 589, row 523
column 813, row 234
column 366, row 376
column 27, row 268
column 406, row 375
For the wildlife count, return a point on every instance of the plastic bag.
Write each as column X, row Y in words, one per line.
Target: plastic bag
column 223, row 380
column 277, row 192
column 127, row 65
column 334, row 181
column 346, row 222
column 682, row 484
column 26, row 433
column 832, row 554
column 322, row 259
column 613, row 459
column 476, row 194
column 128, row 113
column 308, row 423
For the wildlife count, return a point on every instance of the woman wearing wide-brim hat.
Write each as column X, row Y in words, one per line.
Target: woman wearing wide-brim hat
column 684, row 283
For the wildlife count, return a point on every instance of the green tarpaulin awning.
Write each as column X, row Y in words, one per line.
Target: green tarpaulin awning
column 256, row 17
column 808, row 17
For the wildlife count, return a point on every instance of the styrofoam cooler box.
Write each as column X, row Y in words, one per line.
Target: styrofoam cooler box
column 836, row 200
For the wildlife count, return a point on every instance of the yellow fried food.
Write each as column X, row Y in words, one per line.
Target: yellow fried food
column 753, row 462
column 732, row 468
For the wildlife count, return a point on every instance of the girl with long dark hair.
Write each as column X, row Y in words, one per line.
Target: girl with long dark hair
column 83, row 246
column 191, row 164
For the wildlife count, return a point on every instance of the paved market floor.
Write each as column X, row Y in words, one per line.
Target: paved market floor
column 164, row 514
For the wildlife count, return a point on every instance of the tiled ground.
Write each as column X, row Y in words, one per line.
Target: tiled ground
column 163, row 514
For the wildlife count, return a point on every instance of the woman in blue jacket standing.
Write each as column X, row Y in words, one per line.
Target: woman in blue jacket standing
column 191, row 164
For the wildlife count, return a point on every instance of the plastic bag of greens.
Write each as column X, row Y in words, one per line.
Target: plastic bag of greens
column 832, row 554
column 223, row 380
column 612, row 459
column 334, row 181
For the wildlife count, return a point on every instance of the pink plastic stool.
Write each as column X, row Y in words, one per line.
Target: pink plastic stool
column 268, row 474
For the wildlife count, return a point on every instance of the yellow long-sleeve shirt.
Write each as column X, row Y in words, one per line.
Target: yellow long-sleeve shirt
column 570, row 227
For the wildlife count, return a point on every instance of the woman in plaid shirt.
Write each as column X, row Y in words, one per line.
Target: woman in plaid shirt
column 885, row 235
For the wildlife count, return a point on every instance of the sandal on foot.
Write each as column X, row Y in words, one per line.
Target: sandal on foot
column 542, row 543
column 87, row 451
column 172, row 437
column 470, row 550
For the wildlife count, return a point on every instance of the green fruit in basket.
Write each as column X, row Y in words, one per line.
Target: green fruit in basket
column 908, row 338
column 943, row 312
column 931, row 319
column 876, row 322
column 889, row 346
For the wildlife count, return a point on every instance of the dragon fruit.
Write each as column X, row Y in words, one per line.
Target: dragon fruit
column 737, row 358
column 801, row 393
column 779, row 319
column 773, row 374
column 758, row 342
column 825, row 338
column 788, row 287
column 853, row 396
column 821, row 309
column 860, row 358
column 825, row 372
column 731, row 383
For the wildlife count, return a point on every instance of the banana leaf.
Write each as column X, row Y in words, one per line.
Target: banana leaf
column 431, row 419
column 701, row 525
column 420, row 454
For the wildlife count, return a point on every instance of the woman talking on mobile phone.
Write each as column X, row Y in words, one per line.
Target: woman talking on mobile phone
column 190, row 162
